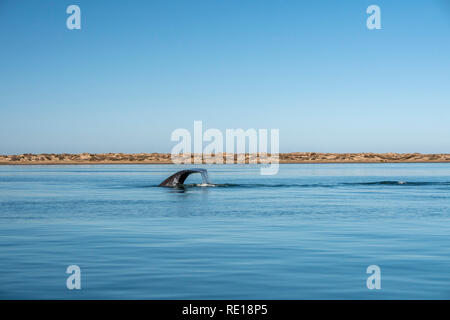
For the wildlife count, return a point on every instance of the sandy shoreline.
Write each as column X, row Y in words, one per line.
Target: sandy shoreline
column 164, row 158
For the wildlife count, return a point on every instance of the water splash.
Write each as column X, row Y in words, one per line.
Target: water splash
column 205, row 177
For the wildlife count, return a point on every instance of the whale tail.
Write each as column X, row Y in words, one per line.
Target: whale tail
column 178, row 178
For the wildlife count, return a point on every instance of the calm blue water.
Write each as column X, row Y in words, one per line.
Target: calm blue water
column 309, row 232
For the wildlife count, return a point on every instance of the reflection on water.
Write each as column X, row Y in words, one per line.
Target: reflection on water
column 308, row 232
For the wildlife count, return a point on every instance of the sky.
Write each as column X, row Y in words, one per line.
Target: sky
column 138, row 70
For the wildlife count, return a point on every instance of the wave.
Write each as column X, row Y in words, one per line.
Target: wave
column 319, row 185
column 259, row 185
column 307, row 185
column 401, row 183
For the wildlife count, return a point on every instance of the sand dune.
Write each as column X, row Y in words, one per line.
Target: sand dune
column 164, row 158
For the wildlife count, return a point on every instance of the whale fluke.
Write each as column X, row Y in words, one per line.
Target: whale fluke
column 178, row 178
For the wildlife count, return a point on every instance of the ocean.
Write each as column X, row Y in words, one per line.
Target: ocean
column 309, row 232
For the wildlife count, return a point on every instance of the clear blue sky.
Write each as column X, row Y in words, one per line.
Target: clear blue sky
column 137, row 70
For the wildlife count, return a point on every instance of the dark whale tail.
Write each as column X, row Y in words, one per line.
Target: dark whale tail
column 178, row 178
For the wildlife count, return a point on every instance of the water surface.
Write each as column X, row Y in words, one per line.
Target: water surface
column 309, row 232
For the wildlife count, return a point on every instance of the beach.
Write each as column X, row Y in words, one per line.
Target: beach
column 165, row 158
